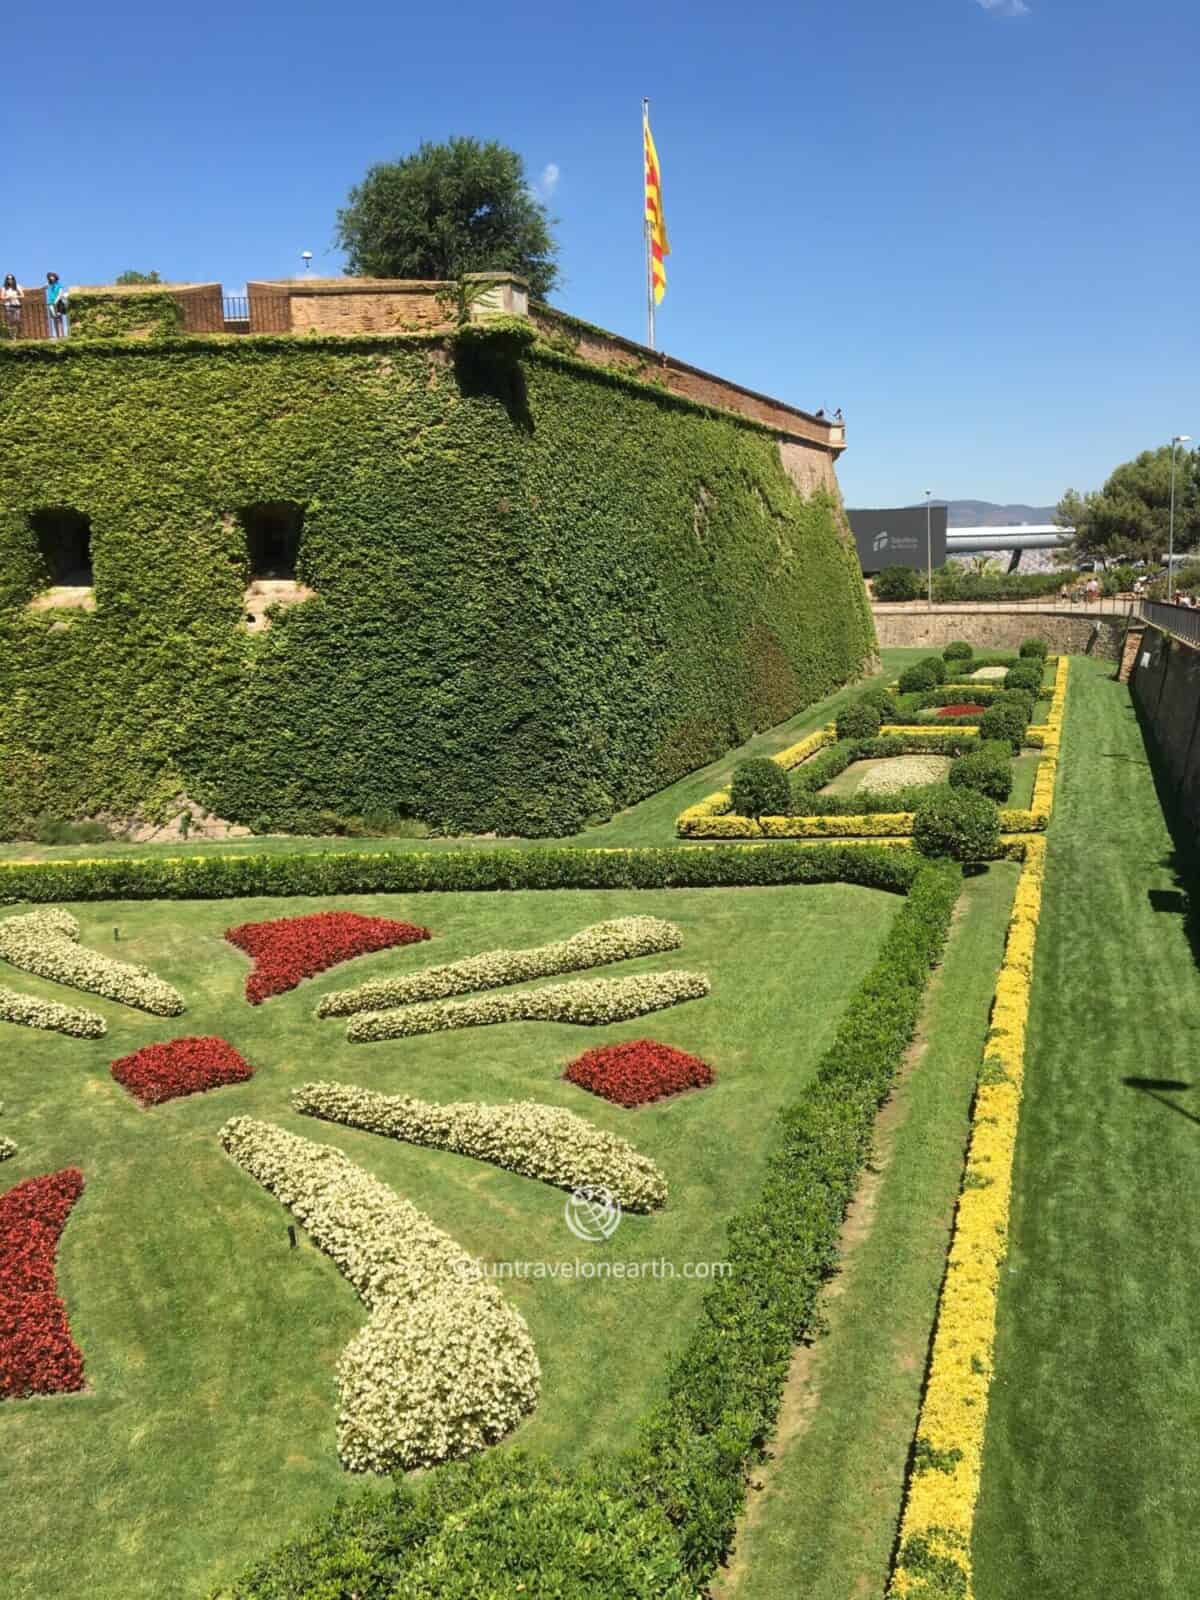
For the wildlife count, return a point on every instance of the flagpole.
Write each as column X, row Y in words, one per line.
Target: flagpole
column 646, row 233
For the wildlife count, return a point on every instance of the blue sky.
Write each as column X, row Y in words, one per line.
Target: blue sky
column 970, row 223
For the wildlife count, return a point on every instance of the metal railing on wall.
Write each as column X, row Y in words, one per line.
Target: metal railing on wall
column 236, row 307
column 1182, row 621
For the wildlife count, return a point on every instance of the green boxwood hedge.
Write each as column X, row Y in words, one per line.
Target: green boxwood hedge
column 678, row 866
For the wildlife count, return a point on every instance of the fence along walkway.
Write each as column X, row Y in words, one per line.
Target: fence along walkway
column 1182, row 621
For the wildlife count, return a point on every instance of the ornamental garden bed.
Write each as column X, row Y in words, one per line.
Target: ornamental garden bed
column 196, row 1261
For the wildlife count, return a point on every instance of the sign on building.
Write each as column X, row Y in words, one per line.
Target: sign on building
column 897, row 537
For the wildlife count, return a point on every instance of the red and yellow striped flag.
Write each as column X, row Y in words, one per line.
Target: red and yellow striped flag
column 656, row 226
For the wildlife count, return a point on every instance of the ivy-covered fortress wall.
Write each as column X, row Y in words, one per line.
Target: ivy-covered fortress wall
column 537, row 589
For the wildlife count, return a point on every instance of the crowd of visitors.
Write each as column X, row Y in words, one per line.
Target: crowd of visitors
column 12, row 298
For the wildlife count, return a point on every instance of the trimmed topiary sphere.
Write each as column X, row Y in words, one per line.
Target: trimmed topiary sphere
column 760, row 789
column 960, row 823
column 987, row 768
column 957, row 650
column 1035, row 649
column 1023, row 699
column 918, row 677
column 1025, row 675
column 936, row 665
column 859, row 720
column 1007, row 722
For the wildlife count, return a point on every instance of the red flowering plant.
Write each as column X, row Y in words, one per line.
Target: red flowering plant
column 159, row 1072
column 961, row 711
column 290, row 949
column 37, row 1352
column 633, row 1074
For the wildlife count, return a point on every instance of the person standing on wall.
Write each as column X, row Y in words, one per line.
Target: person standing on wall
column 11, row 296
column 56, row 306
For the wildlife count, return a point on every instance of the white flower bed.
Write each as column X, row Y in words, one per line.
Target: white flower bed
column 31, row 1012
column 444, row 1366
column 537, row 1141
column 589, row 1001
column 46, row 944
column 597, row 946
column 7, row 1148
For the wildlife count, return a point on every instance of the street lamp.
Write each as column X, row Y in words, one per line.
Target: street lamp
column 929, row 541
column 1180, row 438
column 306, row 257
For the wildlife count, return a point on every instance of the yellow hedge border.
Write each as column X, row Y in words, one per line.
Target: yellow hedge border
column 934, row 1557
column 713, row 818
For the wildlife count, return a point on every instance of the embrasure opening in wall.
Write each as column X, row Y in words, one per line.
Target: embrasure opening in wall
column 273, row 529
column 64, row 539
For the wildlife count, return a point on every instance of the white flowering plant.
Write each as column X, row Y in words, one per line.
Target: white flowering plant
column 538, row 1141
column 587, row 1001
column 620, row 939
column 46, row 943
column 444, row 1366
column 31, row 1012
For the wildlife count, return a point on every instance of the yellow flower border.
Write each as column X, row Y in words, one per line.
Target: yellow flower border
column 713, row 818
column 934, row 1557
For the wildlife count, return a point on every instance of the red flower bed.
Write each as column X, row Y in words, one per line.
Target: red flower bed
column 961, row 711
column 37, row 1352
column 632, row 1074
column 290, row 949
column 161, row 1072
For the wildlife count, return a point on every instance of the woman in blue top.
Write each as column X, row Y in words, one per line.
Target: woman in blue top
column 56, row 305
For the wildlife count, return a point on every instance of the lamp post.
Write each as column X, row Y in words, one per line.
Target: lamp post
column 306, row 257
column 929, row 542
column 1180, row 438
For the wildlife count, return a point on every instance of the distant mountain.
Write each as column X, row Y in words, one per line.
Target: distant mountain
column 986, row 514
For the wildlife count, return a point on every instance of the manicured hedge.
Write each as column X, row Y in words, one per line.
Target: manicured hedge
column 336, row 872
column 541, row 590
column 688, row 1470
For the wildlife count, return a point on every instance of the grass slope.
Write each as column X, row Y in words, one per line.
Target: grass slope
column 1091, row 1481
column 207, row 1433
column 824, row 1524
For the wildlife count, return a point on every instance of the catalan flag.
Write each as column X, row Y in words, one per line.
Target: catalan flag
column 656, row 227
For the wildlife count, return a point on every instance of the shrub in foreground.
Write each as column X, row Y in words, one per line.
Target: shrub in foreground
column 760, row 788
column 1005, row 722
column 1025, row 675
column 859, row 720
column 987, row 768
column 897, row 583
column 960, row 823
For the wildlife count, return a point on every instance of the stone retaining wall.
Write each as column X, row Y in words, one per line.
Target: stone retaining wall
column 1001, row 630
column 1166, row 691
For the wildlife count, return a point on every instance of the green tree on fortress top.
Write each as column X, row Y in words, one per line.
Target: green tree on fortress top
column 1128, row 518
column 131, row 277
column 451, row 208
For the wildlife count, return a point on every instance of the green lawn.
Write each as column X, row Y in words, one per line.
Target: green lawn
column 823, row 1526
column 651, row 821
column 207, row 1432
column 1091, row 1482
